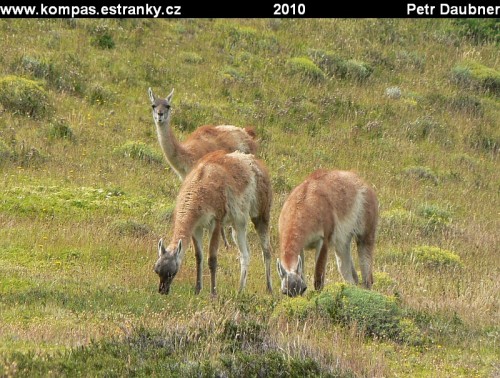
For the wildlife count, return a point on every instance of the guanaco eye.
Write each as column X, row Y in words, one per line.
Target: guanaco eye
column 153, row 106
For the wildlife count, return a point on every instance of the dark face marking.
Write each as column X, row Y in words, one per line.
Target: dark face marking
column 161, row 109
column 293, row 285
column 166, row 267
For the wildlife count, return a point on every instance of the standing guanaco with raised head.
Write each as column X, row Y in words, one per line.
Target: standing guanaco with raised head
column 327, row 210
column 223, row 188
column 182, row 156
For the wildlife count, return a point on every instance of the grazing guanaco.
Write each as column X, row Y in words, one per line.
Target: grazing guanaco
column 327, row 209
column 182, row 156
column 223, row 188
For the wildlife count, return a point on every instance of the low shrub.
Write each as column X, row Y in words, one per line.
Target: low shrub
column 371, row 313
column 23, row 96
column 139, row 151
column 329, row 62
column 410, row 59
column 231, row 74
column 435, row 257
column 422, row 173
column 477, row 75
column 434, row 218
column 60, row 129
column 339, row 67
column 62, row 76
column 242, row 334
column 425, row 128
column 358, row 70
column 99, row 95
column 102, row 37
column 305, row 67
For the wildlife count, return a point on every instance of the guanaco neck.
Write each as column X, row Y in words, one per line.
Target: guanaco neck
column 185, row 221
column 172, row 148
column 291, row 247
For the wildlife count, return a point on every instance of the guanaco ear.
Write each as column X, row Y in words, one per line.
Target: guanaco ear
column 281, row 270
column 299, row 266
column 169, row 97
column 161, row 248
column 179, row 248
column 151, row 95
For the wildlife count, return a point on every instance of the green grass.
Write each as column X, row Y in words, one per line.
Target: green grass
column 85, row 193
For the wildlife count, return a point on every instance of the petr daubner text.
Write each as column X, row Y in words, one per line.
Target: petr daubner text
column 445, row 9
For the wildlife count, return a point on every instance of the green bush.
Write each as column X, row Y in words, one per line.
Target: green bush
column 139, row 151
column 305, row 67
column 410, row 59
column 36, row 67
column 102, row 37
column 434, row 218
column 62, row 76
column 23, row 96
column 474, row 74
column 425, row 128
column 435, row 257
column 60, row 129
column 339, row 67
column 463, row 102
column 373, row 314
column 358, row 70
column 231, row 74
column 329, row 62
column 99, row 95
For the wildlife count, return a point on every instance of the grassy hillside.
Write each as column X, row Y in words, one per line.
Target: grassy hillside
column 412, row 105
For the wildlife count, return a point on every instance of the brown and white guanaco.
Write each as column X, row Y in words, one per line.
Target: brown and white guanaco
column 327, row 209
column 222, row 188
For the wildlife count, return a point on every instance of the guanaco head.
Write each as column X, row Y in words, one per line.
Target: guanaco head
column 167, row 265
column 292, row 283
column 161, row 106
